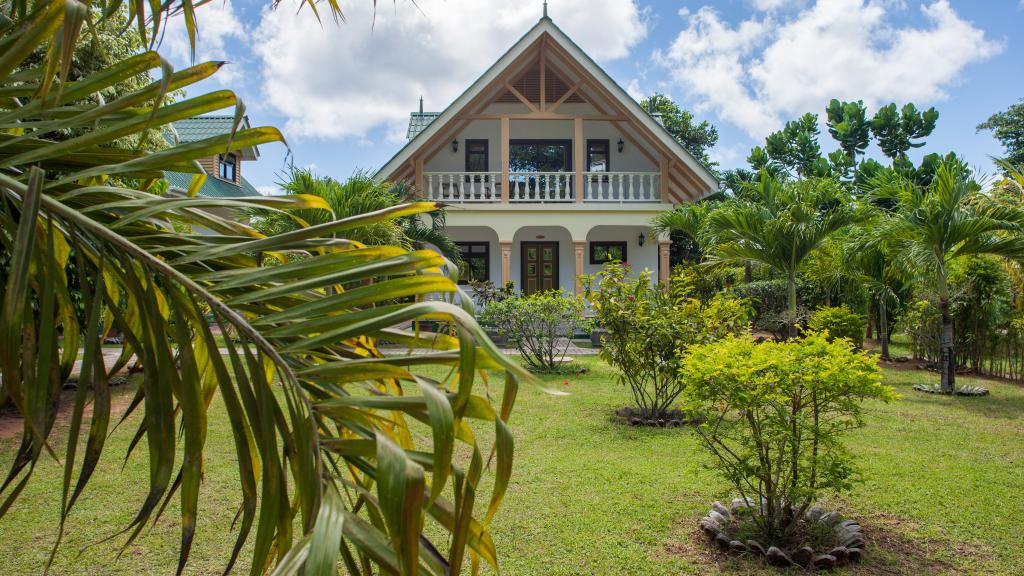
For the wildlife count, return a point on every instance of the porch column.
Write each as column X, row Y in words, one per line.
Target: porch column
column 578, row 159
column 663, row 263
column 506, row 261
column 505, row 184
column 579, row 248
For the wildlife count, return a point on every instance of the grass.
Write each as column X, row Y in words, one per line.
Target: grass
column 941, row 492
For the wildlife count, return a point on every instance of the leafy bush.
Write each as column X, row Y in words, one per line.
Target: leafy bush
column 839, row 322
column 540, row 326
column 486, row 292
column 769, row 300
column 776, row 413
column 648, row 329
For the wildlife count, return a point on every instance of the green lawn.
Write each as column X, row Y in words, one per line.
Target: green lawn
column 942, row 493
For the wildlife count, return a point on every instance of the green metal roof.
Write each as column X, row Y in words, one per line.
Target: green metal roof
column 418, row 122
column 202, row 127
column 213, row 187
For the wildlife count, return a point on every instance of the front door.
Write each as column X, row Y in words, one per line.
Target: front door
column 540, row 266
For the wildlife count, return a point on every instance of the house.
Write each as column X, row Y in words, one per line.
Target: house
column 549, row 168
column 223, row 171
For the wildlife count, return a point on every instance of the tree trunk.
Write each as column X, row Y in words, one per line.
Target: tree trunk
column 792, row 305
column 870, row 333
column 883, row 329
column 748, row 272
column 947, row 361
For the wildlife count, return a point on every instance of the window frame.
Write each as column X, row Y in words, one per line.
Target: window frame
column 608, row 244
column 463, row 279
column 487, row 153
column 566, row 144
column 222, row 162
column 607, row 152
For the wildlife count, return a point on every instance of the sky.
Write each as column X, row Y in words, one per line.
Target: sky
column 341, row 92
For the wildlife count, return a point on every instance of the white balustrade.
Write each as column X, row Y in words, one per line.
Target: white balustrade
column 621, row 187
column 540, row 187
column 462, row 186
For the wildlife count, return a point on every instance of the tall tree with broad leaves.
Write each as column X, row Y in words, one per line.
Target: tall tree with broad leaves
column 796, row 147
column 697, row 138
column 331, row 469
column 898, row 131
column 849, row 125
column 1008, row 127
column 948, row 219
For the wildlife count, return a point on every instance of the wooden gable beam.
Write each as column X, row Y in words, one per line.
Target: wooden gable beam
column 520, row 96
column 572, row 90
column 543, row 74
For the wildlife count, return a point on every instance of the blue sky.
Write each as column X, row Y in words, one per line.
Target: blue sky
column 342, row 93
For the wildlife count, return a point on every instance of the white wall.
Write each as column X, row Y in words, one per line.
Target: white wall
column 639, row 257
column 481, row 234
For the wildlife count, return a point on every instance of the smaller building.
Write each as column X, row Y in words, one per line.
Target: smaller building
column 224, row 171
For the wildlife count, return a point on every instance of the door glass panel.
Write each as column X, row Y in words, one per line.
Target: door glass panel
column 531, row 269
column 547, row 254
column 547, row 269
column 531, row 253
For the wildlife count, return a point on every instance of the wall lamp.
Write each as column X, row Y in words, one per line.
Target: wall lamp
column 455, row 145
column 621, row 145
column 641, row 239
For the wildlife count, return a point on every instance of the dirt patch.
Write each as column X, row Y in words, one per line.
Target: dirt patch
column 12, row 424
column 894, row 547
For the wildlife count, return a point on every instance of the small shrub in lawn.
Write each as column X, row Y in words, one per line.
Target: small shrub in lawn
column 775, row 414
column 839, row 322
column 540, row 326
column 648, row 328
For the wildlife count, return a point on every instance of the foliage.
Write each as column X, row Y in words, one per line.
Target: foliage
column 779, row 224
column 776, row 417
column 769, row 300
column 1008, row 127
column 329, row 469
column 540, row 326
column 848, row 125
column 697, row 138
column 649, row 330
column 933, row 226
column 922, row 322
column 360, row 194
column 897, row 131
column 486, row 293
column 796, row 148
column 839, row 322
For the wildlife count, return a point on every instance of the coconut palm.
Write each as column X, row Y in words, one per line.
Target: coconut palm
column 360, row 194
column 778, row 224
column 329, row 468
column 949, row 219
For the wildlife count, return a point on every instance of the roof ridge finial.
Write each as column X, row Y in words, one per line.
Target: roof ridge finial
column 545, row 8
column 421, row 104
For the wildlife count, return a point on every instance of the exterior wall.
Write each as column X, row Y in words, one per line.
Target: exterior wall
column 639, row 257
column 481, row 234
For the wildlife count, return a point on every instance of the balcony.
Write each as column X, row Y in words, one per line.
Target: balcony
column 542, row 187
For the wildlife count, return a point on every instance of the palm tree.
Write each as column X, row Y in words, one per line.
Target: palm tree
column 778, row 224
column 329, row 467
column 360, row 194
column 948, row 219
column 885, row 279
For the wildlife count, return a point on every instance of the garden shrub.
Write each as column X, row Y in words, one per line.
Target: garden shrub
column 839, row 322
column 775, row 416
column 769, row 301
column 648, row 329
column 540, row 326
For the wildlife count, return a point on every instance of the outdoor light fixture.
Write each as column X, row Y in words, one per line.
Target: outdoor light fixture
column 455, row 145
column 641, row 239
column 621, row 144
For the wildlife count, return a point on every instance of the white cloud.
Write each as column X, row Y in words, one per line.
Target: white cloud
column 217, row 22
column 767, row 69
column 342, row 81
column 268, row 190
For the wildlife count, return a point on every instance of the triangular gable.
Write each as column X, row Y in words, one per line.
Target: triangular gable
column 545, row 26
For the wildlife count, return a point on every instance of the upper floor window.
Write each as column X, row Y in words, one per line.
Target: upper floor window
column 598, row 159
column 476, row 156
column 227, row 167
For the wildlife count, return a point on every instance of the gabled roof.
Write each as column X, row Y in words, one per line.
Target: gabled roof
column 418, row 122
column 547, row 27
column 202, row 127
column 213, row 187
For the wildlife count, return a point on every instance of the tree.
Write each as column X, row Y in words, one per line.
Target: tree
column 330, row 468
column 949, row 219
column 848, row 124
column 886, row 280
column 778, row 224
column 896, row 130
column 1008, row 127
column 698, row 139
column 796, row 148
column 360, row 194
